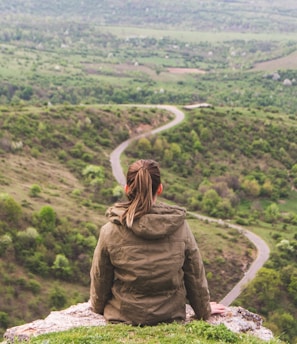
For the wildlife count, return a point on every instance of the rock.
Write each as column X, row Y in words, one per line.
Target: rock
column 275, row 76
column 287, row 82
column 237, row 319
column 240, row 320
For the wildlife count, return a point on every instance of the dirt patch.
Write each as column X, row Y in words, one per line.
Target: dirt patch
column 186, row 71
column 287, row 62
column 122, row 69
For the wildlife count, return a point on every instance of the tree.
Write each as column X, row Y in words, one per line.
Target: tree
column 94, row 175
column 58, row 297
column 263, row 292
column 292, row 288
column 27, row 239
column 117, row 193
column 4, row 320
column 159, row 147
column 224, row 209
column 46, row 219
column 210, row 201
column 143, row 146
column 26, row 93
column 5, row 242
column 272, row 213
column 10, row 210
column 61, row 266
column 175, row 149
column 251, row 187
column 267, row 188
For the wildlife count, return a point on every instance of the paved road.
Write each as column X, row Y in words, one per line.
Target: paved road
column 116, row 154
column 262, row 248
column 263, row 252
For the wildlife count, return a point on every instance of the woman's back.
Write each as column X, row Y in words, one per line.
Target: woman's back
column 147, row 262
column 148, row 266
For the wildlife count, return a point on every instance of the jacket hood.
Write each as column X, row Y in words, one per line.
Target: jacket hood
column 161, row 221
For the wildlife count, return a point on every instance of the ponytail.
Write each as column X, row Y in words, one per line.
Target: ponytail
column 143, row 180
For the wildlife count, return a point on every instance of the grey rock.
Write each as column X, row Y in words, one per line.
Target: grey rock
column 237, row 319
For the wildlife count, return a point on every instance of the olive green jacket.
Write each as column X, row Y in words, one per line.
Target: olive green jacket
column 145, row 274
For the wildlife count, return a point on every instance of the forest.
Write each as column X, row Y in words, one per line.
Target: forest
column 72, row 77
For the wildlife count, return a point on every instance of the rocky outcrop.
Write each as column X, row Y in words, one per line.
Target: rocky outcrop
column 237, row 319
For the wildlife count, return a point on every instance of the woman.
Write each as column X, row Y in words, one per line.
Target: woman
column 147, row 263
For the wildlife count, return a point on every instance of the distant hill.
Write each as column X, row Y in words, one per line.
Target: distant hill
column 211, row 15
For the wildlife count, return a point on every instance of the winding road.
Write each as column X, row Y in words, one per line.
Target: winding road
column 261, row 246
column 115, row 156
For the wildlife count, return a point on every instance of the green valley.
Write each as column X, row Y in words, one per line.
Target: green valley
column 72, row 77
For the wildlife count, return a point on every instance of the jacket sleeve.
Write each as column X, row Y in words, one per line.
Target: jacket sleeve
column 101, row 274
column 195, row 279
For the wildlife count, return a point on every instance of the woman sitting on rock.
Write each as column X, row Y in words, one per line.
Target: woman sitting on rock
column 147, row 262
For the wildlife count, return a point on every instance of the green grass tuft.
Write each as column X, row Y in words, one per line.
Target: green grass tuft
column 194, row 332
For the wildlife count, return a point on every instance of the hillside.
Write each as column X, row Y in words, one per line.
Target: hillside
column 210, row 15
column 51, row 211
column 235, row 160
column 81, row 61
column 240, row 164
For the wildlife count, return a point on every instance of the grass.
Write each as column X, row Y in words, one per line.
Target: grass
column 194, row 332
column 196, row 36
column 289, row 205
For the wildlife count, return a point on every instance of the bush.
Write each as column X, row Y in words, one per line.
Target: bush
column 5, row 242
column 34, row 286
column 4, row 320
column 35, row 190
column 58, row 298
column 46, row 219
column 10, row 210
column 241, row 221
column 37, row 264
column 61, row 267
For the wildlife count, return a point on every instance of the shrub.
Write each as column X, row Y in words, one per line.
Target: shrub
column 10, row 210
column 76, row 192
column 26, row 240
column 62, row 155
column 46, row 219
column 4, row 320
column 58, row 298
column 61, row 267
column 35, row 190
column 34, row 286
column 241, row 221
column 37, row 264
column 5, row 242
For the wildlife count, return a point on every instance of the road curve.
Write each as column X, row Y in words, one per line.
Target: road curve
column 115, row 156
column 263, row 252
column 261, row 246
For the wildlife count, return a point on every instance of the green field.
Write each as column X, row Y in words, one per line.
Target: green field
column 236, row 159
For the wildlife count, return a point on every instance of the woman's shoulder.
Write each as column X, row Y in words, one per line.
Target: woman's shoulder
column 169, row 208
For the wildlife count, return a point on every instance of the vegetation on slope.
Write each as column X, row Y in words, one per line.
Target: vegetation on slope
column 240, row 164
column 56, row 183
column 243, row 55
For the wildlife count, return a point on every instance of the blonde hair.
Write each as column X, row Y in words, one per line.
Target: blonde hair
column 143, row 180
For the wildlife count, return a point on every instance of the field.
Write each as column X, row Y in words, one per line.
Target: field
column 287, row 62
column 59, row 61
